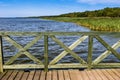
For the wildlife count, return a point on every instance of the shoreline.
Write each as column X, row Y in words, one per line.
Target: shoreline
column 96, row 24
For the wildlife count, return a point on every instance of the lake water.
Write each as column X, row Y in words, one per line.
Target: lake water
column 40, row 25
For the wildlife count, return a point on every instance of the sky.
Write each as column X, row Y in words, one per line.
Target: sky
column 25, row 8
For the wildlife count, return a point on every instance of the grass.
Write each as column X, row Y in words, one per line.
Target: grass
column 96, row 24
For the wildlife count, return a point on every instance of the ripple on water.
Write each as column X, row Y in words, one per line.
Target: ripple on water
column 39, row 25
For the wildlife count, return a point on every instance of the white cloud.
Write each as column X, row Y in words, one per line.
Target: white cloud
column 100, row 1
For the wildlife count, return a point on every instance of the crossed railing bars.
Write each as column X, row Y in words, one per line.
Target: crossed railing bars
column 96, row 63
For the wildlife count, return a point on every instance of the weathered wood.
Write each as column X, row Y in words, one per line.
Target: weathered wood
column 68, row 50
column 116, row 54
column 33, row 42
column 68, row 65
column 84, row 75
column 23, row 66
column 25, row 76
column 20, row 33
column 90, row 75
column 75, row 76
column 33, row 58
column 56, row 33
column 90, row 51
column 1, row 55
column 54, row 75
column 71, row 47
column 43, row 75
column 49, row 75
column 7, row 75
column 46, row 53
column 2, row 74
column 113, row 74
column 66, row 75
column 107, row 65
column 13, row 58
column 31, row 75
column 19, row 75
column 79, row 75
column 116, row 72
column 96, row 74
column 13, row 75
column 100, row 73
column 60, row 75
column 108, row 75
column 37, row 75
column 106, row 53
column 22, row 51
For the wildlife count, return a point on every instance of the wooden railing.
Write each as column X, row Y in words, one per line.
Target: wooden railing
column 46, row 64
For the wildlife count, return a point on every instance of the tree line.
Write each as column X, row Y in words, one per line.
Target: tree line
column 106, row 12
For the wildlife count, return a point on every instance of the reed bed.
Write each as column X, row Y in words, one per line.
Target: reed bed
column 96, row 24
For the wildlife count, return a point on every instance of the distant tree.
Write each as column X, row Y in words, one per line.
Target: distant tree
column 106, row 12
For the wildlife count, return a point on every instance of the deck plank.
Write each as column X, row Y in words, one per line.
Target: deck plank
column 84, row 76
column 49, row 75
column 73, row 74
column 19, row 75
column 113, row 74
column 31, row 75
column 37, row 75
column 107, row 75
column 54, row 75
column 25, row 76
column 13, row 75
column 66, row 75
column 116, row 72
column 80, row 77
column 95, row 74
column 43, row 75
column 7, row 75
column 101, row 74
column 2, row 74
column 60, row 75
column 90, row 75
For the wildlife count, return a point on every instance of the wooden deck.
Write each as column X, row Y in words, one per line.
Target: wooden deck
column 96, row 74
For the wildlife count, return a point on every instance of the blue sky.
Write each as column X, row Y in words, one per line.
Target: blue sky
column 21, row 8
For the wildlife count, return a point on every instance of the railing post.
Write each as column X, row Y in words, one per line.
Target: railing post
column 1, row 55
column 90, row 51
column 46, row 53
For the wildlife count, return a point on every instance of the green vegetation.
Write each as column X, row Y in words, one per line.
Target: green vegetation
column 106, row 12
column 107, row 19
column 96, row 24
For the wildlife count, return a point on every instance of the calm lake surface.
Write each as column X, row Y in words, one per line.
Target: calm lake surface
column 40, row 25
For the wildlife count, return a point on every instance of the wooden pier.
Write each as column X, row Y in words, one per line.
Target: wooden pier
column 11, row 71
column 96, row 74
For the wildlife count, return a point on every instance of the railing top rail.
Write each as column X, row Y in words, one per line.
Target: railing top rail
column 55, row 33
